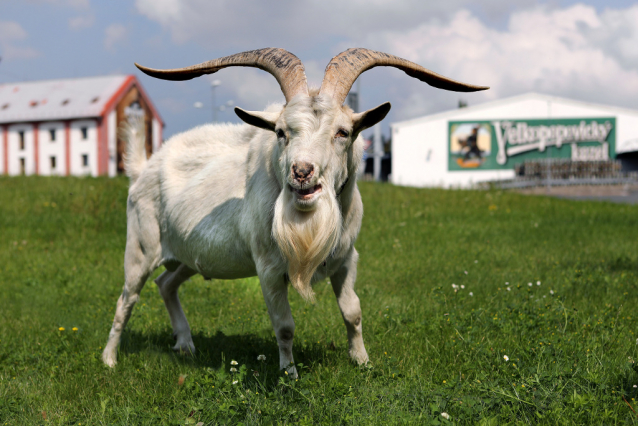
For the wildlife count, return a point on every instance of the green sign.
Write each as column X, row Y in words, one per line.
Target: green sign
column 500, row 144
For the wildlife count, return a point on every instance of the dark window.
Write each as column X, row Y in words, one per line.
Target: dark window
column 52, row 163
column 21, row 137
column 85, row 160
column 85, row 133
column 22, row 166
column 52, row 133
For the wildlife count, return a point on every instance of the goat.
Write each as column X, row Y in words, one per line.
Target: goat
column 277, row 199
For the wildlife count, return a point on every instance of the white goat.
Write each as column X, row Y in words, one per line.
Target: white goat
column 277, row 199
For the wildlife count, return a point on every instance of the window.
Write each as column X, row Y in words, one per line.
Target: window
column 85, row 160
column 85, row 133
column 21, row 137
column 52, row 163
column 52, row 133
column 22, row 166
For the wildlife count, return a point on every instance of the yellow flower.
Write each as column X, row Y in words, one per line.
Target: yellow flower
column 61, row 328
column 74, row 329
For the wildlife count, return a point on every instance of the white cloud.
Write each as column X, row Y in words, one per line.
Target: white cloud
column 114, row 35
column 81, row 22
column 11, row 34
column 562, row 52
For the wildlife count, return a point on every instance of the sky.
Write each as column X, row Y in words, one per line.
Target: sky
column 580, row 50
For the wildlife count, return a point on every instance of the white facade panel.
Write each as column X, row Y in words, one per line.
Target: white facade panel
column 51, row 149
column 84, row 149
column 2, row 133
column 111, row 126
column 156, row 135
column 21, row 150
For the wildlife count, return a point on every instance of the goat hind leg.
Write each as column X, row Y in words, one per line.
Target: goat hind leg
column 137, row 269
column 168, row 284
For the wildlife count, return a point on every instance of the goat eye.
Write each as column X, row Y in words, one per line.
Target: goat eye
column 341, row 134
column 281, row 134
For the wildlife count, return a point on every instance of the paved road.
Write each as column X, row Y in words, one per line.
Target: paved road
column 611, row 193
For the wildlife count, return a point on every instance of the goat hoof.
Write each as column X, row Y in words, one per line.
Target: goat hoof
column 184, row 349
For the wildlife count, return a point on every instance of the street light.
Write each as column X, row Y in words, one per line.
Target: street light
column 213, row 85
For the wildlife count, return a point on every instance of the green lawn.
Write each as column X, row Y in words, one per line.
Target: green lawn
column 570, row 341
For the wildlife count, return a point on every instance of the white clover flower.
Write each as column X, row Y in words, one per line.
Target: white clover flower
column 538, row 283
column 636, row 386
column 506, row 358
column 446, row 416
column 454, row 286
column 471, row 294
column 235, row 382
column 465, row 272
column 529, row 284
column 462, row 286
column 509, row 289
column 261, row 358
column 233, row 370
column 476, row 261
column 233, row 362
column 551, row 292
column 507, row 283
column 544, row 296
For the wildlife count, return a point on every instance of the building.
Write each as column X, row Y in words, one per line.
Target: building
column 69, row 127
column 486, row 142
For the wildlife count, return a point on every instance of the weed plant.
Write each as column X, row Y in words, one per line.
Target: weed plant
column 479, row 307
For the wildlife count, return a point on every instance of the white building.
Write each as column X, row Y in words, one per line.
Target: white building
column 484, row 142
column 69, row 127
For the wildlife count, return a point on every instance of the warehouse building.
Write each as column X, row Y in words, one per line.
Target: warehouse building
column 488, row 142
column 69, row 127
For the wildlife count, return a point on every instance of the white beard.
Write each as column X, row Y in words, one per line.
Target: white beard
column 306, row 239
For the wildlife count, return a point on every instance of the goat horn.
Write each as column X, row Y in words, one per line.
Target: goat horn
column 283, row 65
column 343, row 70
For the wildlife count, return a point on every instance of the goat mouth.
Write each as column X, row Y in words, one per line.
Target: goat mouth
column 307, row 193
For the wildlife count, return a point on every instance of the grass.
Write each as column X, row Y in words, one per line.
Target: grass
column 570, row 341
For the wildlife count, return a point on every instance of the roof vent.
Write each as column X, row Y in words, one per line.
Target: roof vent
column 5, row 106
column 95, row 99
column 33, row 104
column 65, row 102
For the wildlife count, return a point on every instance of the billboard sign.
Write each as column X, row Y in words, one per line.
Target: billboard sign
column 501, row 144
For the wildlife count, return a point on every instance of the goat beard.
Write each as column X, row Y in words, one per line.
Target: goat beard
column 306, row 239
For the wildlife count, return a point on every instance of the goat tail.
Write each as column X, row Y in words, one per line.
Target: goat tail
column 133, row 133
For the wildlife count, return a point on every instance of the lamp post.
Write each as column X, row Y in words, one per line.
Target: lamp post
column 213, row 85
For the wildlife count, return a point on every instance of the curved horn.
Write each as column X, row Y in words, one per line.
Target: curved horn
column 343, row 70
column 283, row 65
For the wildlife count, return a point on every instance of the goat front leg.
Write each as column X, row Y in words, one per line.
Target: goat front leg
column 343, row 286
column 168, row 284
column 275, row 291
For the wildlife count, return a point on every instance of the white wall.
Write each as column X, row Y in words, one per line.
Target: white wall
column 15, row 154
column 2, row 170
column 156, row 135
column 80, row 147
column 48, row 148
column 111, row 127
column 420, row 147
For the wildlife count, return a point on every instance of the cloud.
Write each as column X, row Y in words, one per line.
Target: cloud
column 11, row 34
column 81, row 22
column 574, row 52
column 114, row 35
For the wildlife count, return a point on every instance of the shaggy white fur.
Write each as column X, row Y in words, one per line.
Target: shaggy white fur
column 225, row 201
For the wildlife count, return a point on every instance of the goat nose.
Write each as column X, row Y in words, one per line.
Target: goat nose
column 302, row 171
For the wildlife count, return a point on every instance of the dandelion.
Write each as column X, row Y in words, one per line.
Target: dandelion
column 235, row 382
column 233, row 362
column 285, row 372
column 233, row 370
column 261, row 358
column 61, row 328
column 446, row 416
column 74, row 329
column 471, row 294
column 506, row 358
column 538, row 283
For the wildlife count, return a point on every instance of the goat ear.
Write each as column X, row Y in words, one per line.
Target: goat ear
column 263, row 120
column 367, row 119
